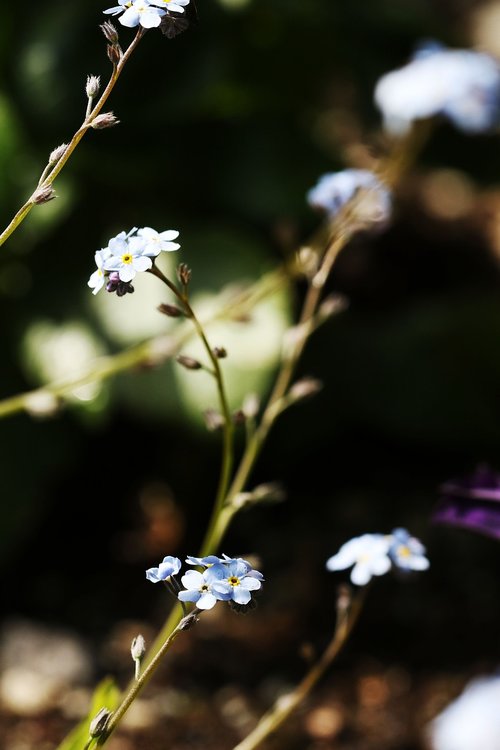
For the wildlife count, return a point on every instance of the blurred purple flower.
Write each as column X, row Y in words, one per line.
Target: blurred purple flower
column 471, row 502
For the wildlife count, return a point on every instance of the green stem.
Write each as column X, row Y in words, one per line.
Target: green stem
column 139, row 683
column 77, row 137
column 287, row 704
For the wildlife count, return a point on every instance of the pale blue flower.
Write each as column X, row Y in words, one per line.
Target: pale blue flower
column 406, row 551
column 176, row 6
column 138, row 12
column 97, row 279
column 368, row 554
column 461, row 85
column 232, row 581
column 169, row 566
column 199, row 589
column 126, row 257
column 335, row 189
column 206, row 562
column 154, row 242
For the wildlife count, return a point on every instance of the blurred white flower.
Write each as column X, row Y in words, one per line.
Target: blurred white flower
column 471, row 721
column 461, row 85
column 369, row 554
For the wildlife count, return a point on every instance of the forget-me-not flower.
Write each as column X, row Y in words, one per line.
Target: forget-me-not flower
column 138, row 12
column 232, row 581
column 406, row 551
column 461, row 85
column 97, row 279
column 176, row 6
column 335, row 189
column 154, row 242
column 199, row 588
column 168, row 567
column 367, row 554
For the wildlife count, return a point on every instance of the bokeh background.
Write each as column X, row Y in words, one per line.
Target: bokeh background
column 222, row 132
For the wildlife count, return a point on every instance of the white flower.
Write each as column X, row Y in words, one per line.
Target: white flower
column 471, row 721
column 126, row 256
column 154, row 242
column 96, row 281
column 406, row 551
column 334, row 189
column 462, row 85
column 175, row 5
column 138, row 12
column 369, row 554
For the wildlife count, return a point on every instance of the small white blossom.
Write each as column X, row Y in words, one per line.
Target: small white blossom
column 126, row 257
column 154, row 242
column 97, row 279
column 139, row 12
column 471, row 721
column 171, row 5
column 462, row 85
column 406, row 551
column 369, row 554
column 335, row 189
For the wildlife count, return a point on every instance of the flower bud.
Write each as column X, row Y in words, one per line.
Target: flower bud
column 187, row 622
column 184, row 274
column 106, row 120
column 304, row 388
column 114, row 53
column 332, row 305
column 109, row 32
column 56, row 154
column 43, row 194
column 239, row 417
column 251, row 405
column 220, row 352
column 99, row 722
column 92, row 87
column 213, row 420
column 172, row 311
column 188, row 362
column 138, row 647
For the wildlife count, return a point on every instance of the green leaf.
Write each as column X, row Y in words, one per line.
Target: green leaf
column 106, row 695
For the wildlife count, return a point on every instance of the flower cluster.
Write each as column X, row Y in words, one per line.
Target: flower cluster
column 375, row 554
column 461, row 85
column 228, row 579
column 335, row 189
column 127, row 253
column 145, row 13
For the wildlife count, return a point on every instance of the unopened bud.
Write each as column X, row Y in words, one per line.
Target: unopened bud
column 56, row 154
column 43, row 194
column 171, row 310
column 271, row 492
column 251, row 405
column 307, row 261
column 213, row 420
column 114, row 53
column 239, row 417
column 220, row 352
column 184, row 274
column 99, row 722
column 109, row 32
column 305, row 387
column 187, row 622
column 332, row 305
column 138, row 647
column 106, row 120
column 188, row 362
column 93, row 85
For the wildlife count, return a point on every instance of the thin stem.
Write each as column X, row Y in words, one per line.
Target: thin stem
column 285, row 705
column 77, row 137
column 139, row 683
column 228, row 429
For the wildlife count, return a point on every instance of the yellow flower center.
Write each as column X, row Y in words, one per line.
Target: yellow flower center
column 234, row 581
column 403, row 551
column 127, row 258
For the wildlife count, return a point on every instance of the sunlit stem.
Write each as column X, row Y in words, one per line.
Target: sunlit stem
column 138, row 684
column 287, row 704
column 77, row 137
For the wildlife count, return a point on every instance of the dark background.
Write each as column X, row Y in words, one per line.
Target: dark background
column 223, row 130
